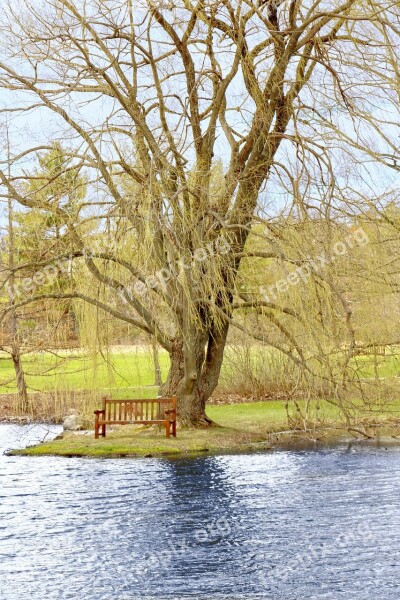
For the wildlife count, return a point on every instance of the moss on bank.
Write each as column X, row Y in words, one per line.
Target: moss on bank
column 127, row 441
column 241, row 427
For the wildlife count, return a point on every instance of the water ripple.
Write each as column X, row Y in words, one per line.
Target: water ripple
column 280, row 526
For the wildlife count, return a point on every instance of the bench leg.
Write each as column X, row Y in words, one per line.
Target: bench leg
column 96, row 427
column 103, row 430
column 168, row 427
column 174, row 428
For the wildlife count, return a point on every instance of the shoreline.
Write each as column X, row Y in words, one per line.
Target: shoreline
column 192, row 443
column 26, row 420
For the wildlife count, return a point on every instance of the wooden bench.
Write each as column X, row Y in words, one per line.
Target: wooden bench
column 161, row 411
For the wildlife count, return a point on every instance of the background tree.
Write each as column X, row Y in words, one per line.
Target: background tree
column 31, row 238
column 41, row 235
column 7, row 262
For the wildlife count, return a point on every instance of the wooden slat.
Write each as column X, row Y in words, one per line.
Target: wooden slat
column 116, row 401
column 135, row 422
column 139, row 410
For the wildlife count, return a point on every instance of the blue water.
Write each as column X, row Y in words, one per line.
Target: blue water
column 279, row 526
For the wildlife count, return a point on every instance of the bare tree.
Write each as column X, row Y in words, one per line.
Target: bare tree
column 15, row 347
column 196, row 121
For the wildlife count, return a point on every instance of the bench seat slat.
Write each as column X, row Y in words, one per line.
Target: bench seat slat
column 137, row 422
column 140, row 400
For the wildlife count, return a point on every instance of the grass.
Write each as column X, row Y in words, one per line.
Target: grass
column 129, row 372
column 123, row 374
column 384, row 366
column 240, row 426
column 128, row 442
column 248, row 426
column 251, row 417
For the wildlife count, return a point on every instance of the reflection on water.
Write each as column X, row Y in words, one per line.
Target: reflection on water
column 281, row 526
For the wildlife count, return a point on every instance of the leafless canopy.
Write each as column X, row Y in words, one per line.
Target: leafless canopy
column 194, row 121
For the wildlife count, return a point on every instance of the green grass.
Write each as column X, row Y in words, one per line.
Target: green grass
column 241, row 427
column 384, row 366
column 249, row 416
column 120, row 373
column 128, row 442
column 127, row 373
column 130, row 373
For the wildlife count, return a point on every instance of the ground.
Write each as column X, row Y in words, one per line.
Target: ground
column 248, row 426
column 127, row 370
column 121, row 371
column 72, row 381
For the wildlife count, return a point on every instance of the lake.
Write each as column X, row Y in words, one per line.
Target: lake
column 284, row 525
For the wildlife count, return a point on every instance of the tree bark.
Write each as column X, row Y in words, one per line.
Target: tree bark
column 193, row 387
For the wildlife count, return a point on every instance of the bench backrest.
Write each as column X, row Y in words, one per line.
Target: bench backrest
column 137, row 409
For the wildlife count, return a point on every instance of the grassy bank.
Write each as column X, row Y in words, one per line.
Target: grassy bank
column 73, row 381
column 241, row 427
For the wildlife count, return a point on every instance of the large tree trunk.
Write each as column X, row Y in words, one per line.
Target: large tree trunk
column 193, row 375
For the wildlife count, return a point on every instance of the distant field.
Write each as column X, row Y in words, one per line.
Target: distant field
column 386, row 366
column 129, row 372
column 117, row 372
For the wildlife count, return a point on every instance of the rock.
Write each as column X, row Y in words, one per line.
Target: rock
column 73, row 423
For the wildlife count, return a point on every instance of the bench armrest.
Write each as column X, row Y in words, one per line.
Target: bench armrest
column 170, row 411
column 99, row 412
